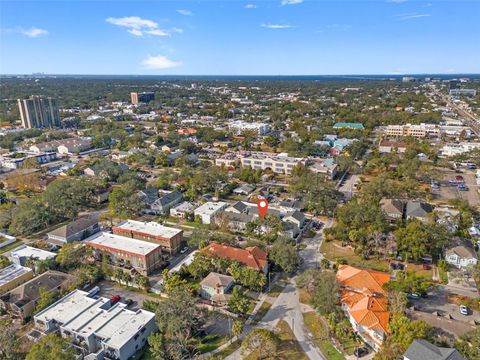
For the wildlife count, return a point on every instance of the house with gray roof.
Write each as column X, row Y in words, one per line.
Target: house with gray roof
column 159, row 202
column 423, row 350
column 75, row 231
column 418, row 210
column 461, row 256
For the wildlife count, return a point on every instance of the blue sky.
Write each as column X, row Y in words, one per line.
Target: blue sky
column 237, row 37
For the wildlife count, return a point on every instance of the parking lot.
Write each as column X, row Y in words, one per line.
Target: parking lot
column 450, row 191
column 436, row 311
column 108, row 289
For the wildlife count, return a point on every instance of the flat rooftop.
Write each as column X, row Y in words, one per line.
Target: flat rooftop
column 149, row 228
column 210, row 207
column 28, row 251
column 86, row 316
column 12, row 272
column 121, row 243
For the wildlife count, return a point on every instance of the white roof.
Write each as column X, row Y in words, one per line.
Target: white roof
column 28, row 251
column 11, row 272
column 121, row 243
column 210, row 208
column 86, row 316
column 150, row 228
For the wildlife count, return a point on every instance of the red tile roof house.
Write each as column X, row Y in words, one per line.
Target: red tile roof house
column 364, row 300
column 253, row 257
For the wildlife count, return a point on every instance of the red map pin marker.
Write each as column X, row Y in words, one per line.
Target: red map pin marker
column 262, row 205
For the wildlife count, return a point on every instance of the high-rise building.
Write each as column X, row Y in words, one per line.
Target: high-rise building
column 39, row 112
column 143, row 97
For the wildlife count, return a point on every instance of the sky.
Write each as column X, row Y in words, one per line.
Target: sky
column 239, row 37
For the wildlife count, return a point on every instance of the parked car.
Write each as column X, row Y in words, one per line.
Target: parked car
column 184, row 250
column 426, row 267
column 129, row 302
column 462, row 188
column 459, row 178
column 414, row 296
column 114, row 299
column 463, row 310
column 361, row 352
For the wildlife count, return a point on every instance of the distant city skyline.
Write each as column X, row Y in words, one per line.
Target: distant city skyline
column 281, row 37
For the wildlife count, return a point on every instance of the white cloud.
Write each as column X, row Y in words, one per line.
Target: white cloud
column 276, row 26
column 137, row 26
column 250, row 6
column 33, row 32
column 159, row 62
column 185, row 12
column 177, row 30
column 291, row 2
column 411, row 16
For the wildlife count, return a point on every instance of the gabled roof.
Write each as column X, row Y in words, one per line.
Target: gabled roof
column 253, row 257
column 462, row 251
column 369, row 311
column 167, row 198
column 422, row 350
column 354, row 278
column 149, row 195
column 75, row 227
column 240, row 206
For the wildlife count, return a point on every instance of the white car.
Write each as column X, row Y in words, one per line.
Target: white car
column 463, row 310
column 184, row 250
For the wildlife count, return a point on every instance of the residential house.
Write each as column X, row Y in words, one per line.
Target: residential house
column 159, row 202
column 418, row 210
column 182, row 210
column 421, row 349
column 22, row 300
column 393, row 208
column 461, row 256
column 215, row 288
column 364, row 300
column 76, row 230
column 253, row 257
column 387, row 146
column 23, row 253
column 244, row 189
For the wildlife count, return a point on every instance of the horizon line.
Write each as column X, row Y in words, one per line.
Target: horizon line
column 259, row 75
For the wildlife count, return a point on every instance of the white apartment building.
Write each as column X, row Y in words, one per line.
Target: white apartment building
column 458, row 149
column 207, row 211
column 97, row 328
column 278, row 163
column 238, row 126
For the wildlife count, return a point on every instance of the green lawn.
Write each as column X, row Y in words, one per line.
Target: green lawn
column 210, row 343
column 315, row 325
column 334, row 251
column 261, row 312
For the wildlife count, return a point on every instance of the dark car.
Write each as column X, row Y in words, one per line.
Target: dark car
column 360, row 352
column 129, row 302
column 426, row 267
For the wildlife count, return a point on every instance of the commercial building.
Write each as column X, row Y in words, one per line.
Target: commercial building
column 143, row 97
column 207, row 211
column 168, row 238
column 15, row 159
column 253, row 257
column 23, row 253
column 239, row 126
column 39, row 112
column 22, row 300
column 125, row 252
column 13, row 276
column 96, row 326
column 428, row 130
column 459, row 92
column 364, row 301
column 278, row 163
